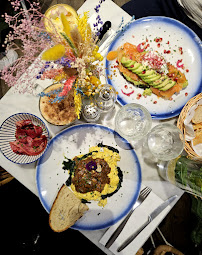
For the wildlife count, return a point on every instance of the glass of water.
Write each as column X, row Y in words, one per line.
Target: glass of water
column 133, row 122
column 165, row 142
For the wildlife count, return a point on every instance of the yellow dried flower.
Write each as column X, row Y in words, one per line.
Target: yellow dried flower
column 96, row 49
column 97, row 55
column 88, row 33
column 54, row 53
column 95, row 81
column 88, row 93
column 66, row 26
column 83, row 27
column 61, row 76
column 77, row 102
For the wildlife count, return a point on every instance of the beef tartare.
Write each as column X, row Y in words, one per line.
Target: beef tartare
column 95, row 175
column 29, row 139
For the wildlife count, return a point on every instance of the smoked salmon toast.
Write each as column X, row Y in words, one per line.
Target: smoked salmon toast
column 148, row 69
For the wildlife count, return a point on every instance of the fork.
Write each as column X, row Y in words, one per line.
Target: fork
column 143, row 194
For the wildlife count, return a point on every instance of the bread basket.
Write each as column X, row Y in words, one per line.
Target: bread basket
column 5, row 177
column 180, row 123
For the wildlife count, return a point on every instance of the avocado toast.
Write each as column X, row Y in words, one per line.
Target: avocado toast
column 161, row 77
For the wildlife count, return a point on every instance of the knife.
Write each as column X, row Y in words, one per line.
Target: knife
column 103, row 30
column 152, row 216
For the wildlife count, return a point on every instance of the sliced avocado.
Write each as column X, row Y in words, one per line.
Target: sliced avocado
column 149, row 77
column 147, row 73
column 157, row 82
column 168, row 86
column 162, row 84
column 152, row 78
column 139, row 70
column 125, row 60
column 185, row 84
column 135, row 65
column 128, row 63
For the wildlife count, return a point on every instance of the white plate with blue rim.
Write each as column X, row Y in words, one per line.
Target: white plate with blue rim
column 176, row 38
column 7, row 135
column 76, row 140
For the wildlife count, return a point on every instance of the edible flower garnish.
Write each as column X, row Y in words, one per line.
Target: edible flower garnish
column 91, row 166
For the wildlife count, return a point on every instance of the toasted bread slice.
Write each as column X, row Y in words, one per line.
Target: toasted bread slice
column 197, row 115
column 197, row 126
column 198, row 137
column 66, row 210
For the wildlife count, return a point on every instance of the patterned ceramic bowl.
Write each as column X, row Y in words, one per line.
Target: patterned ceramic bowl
column 58, row 114
column 7, row 135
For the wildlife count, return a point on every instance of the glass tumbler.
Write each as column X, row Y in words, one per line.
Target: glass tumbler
column 133, row 121
column 164, row 142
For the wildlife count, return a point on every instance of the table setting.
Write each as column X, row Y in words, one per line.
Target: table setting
column 87, row 99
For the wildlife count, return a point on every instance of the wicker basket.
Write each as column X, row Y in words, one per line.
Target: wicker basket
column 5, row 177
column 180, row 123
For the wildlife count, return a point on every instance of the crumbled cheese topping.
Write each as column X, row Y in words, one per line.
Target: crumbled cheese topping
column 155, row 61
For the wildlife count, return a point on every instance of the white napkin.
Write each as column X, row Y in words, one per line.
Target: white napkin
column 189, row 131
column 137, row 219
